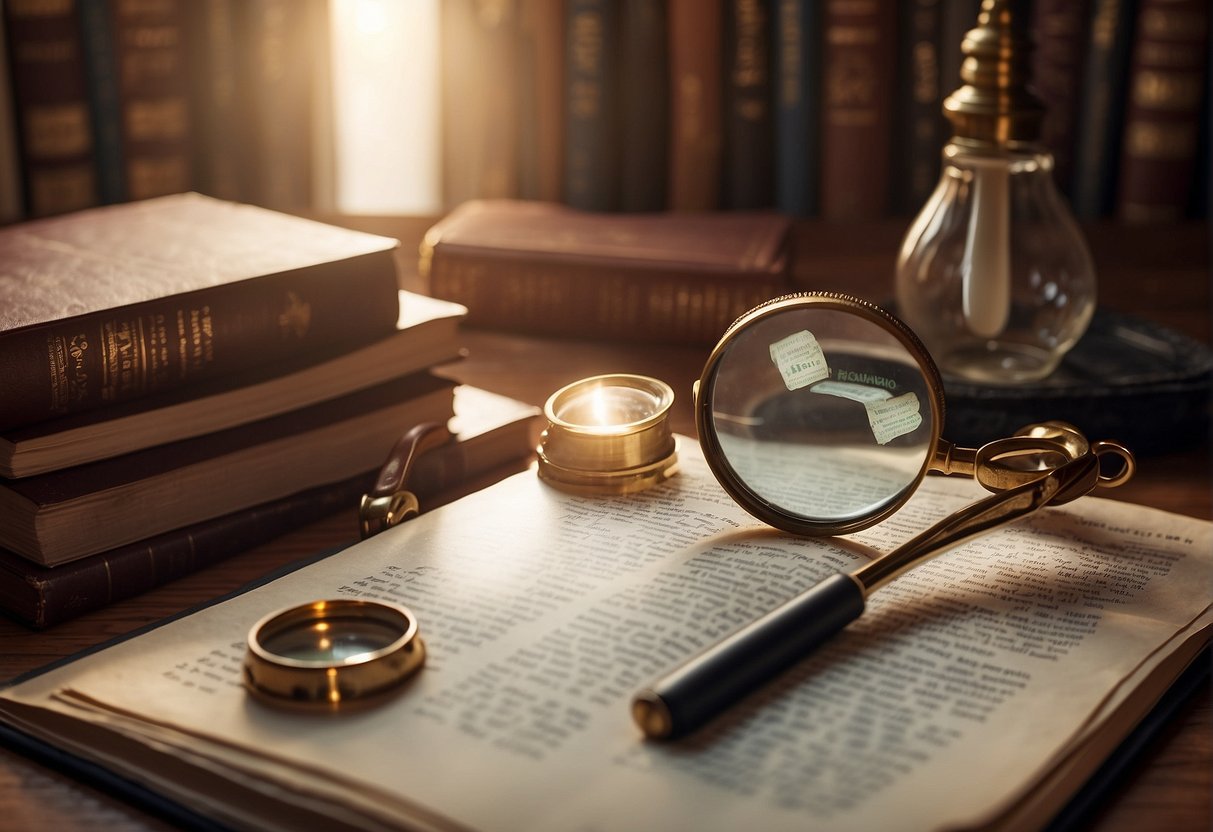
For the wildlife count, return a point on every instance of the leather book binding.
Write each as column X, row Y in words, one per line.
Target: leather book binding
column 547, row 269
column 115, row 303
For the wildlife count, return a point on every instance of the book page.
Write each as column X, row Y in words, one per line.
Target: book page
column 966, row 681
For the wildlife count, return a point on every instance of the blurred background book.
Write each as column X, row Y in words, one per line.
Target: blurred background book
column 809, row 107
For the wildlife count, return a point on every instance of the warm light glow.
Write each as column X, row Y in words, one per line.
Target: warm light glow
column 386, row 106
column 602, row 409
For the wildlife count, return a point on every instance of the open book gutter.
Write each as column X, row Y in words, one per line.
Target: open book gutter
column 1037, row 651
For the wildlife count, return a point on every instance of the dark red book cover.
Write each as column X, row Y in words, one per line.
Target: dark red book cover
column 857, row 103
column 122, row 301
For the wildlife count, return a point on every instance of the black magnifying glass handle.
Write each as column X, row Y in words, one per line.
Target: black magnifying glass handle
column 709, row 683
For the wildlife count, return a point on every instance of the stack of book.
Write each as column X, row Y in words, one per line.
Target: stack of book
column 183, row 378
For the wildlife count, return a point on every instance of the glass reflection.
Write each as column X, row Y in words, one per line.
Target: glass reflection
column 821, row 413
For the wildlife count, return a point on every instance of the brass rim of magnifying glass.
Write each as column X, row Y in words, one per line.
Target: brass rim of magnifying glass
column 620, row 458
column 714, row 454
column 332, row 683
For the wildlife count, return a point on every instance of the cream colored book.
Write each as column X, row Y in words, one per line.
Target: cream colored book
column 979, row 690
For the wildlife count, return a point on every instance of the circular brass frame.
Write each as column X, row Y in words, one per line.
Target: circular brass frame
column 332, row 683
column 600, row 459
column 737, row 489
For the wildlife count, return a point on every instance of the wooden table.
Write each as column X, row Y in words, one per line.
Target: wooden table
column 1162, row 274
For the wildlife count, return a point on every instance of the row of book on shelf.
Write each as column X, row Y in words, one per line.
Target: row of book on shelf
column 185, row 378
column 813, row 107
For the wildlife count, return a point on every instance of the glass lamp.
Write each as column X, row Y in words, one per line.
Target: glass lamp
column 994, row 274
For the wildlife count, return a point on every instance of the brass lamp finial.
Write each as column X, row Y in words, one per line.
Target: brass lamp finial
column 993, row 104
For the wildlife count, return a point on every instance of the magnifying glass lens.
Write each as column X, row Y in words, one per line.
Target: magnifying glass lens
column 329, row 642
column 327, row 653
column 819, row 415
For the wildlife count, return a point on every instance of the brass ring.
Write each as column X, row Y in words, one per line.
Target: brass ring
column 326, row 653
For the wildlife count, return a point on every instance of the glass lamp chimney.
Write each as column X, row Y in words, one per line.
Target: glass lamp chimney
column 994, row 274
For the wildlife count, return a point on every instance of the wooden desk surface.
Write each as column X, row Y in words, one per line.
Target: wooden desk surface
column 1160, row 274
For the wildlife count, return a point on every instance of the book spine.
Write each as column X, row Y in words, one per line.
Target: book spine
column 643, row 104
column 479, row 110
column 101, row 79
column 594, row 301
column 541, row 100
column 1162, row 118
column 151, row 58
column 43, row 596
column 857, row 108
column 220, row 137
column 591, row 161
column 11, row 209
column 1061, row 30
column 95, row 360
column 55, row 138
column 920, row 124
column 796, row 78
column 749, row 174
column 1097, row 149
column 696, row 104
column 276, row 43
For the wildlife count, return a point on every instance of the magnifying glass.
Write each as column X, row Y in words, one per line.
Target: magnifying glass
column 820, row 414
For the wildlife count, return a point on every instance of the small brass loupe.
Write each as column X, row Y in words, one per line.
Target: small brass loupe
column 608, row 434
column 327, row 654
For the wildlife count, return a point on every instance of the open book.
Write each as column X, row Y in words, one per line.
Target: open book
column 979, row 690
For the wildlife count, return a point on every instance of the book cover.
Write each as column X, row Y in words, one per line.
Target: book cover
column 1100, row 119
column 493, row 436
column 749, row 157
column 1162, row 123
column 55, row 138
column 541, row 99
column 122, row 301
column 63, row 515
column 644, row 110
column 479, row 107
column 797, row 95
column 1062, row 32
column 857, row 108
column 591, row 110
column 696, row 30
column 547, row 269
column 919, row 128
column 427, row 334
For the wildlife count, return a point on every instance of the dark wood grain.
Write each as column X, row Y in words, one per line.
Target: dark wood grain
column 1159, row 273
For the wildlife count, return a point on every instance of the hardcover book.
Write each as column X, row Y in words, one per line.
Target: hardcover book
column 57, row 517
column 644, row 111
column 426, row 335
column 696, row 31
column 1162, row 124
column 749, row 170
column 591, row 109
column 115, row 303
column 857, row 108
column 796, row 79
column 50, row 98
column 548, row 269
column 493, row 436
column 1097, row 148
column 979, row 690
